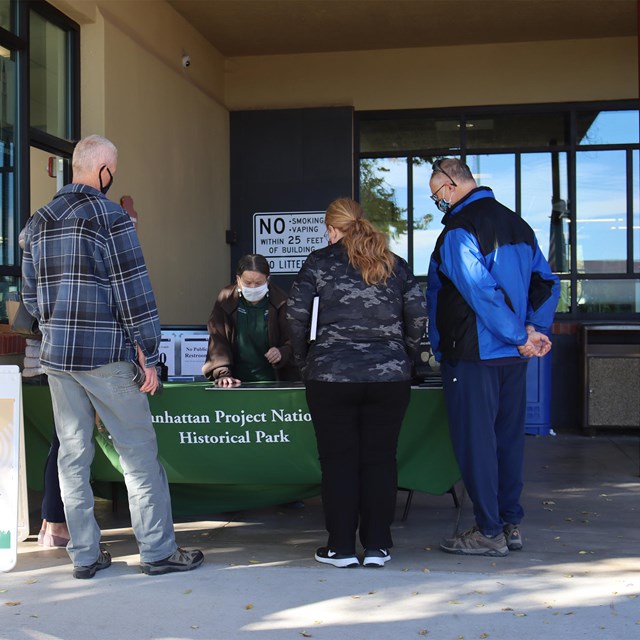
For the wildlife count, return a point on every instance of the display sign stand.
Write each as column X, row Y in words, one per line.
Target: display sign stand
column 14, row 511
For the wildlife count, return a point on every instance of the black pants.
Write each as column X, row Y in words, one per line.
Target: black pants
column 52, row 507
column 357, row 426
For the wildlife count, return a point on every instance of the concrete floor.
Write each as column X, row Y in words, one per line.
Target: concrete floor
column 577, row 577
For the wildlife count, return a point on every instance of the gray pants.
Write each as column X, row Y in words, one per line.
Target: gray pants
column 110, row 391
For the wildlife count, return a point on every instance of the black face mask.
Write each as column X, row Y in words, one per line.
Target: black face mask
column 105, row 187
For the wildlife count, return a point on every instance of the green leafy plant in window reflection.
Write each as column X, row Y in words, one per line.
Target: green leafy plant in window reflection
column 378, row 198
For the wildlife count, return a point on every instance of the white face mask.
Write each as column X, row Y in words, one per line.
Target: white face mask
column 254, row 294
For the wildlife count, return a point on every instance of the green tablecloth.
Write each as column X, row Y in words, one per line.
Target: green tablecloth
column 229, row 449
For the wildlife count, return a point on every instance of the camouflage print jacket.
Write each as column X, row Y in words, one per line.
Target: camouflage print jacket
column 365, row 333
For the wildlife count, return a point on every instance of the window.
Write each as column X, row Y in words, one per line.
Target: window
column 6, row 21
column 49, row 77
column 571, row 172
column 44, row 115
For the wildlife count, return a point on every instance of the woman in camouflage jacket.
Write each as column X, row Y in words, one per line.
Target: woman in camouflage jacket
column 357, row 374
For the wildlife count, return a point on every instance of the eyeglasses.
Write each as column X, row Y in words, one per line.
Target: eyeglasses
column 437, row 168
column 434, row 195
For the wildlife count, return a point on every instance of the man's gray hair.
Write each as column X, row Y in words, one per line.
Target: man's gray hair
column 457, row 170
column 93, row 152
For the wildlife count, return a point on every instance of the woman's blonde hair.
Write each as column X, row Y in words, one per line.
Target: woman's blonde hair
column 366, row 246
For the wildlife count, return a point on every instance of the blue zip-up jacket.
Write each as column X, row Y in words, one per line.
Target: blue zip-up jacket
column 487, row 281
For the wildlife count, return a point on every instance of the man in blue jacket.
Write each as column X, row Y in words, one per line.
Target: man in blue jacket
column 491, row 299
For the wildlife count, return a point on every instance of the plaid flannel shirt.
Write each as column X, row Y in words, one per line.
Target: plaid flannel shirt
column 84, row 278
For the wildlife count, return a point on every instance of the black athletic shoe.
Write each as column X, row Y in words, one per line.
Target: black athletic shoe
column 376, row 557
column 179, row 560
column 84, row 573
column 328, row 556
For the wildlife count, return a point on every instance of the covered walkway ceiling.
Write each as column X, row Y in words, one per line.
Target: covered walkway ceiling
column 268, row 27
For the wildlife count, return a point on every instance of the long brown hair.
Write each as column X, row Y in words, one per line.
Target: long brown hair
column 366, row 246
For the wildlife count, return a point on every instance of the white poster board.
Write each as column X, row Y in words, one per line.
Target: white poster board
column 193, row 354
column 14, row 511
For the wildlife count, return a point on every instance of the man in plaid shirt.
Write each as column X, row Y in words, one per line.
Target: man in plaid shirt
column 84, row 278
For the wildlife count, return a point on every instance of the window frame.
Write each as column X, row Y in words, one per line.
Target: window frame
column 25, row 136
column 570, row 147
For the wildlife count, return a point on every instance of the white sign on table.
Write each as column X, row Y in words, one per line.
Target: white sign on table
column 286, row 239
column 14, row 511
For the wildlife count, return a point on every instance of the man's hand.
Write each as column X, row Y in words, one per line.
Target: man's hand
column 273, row 355
column 150, row 384
column 537, row 344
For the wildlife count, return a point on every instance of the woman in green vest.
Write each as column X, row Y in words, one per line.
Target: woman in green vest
column 248, row 332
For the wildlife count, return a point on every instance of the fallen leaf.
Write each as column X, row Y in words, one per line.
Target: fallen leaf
column 548, row 502
column 520, row 615
column 632, row 596
column 248, row 606
column 405, row 570
column 582, row 553
column 415, row 593
column 305, row 634
column 371, row 593
column 454, row 602
column 423, row 632
column 186, row 592
column 32, row 581
column 12, row 603
column 195, row 626
column 355, row 597
column 507, row 609
column 484, row 635
column 570, row 613
column 4, row 590
column 427, row 548
column 254, row 561
column 479, row 606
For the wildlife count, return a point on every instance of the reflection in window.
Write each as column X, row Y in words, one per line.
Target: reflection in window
column 7, row 160
column 601, row 211
column 49, row 80
column 409, row 134
column 564, row 304
column 607, row 127
column 520, row 130
column 544, row 204
column 5, row 15
column 383, row 195
column 497, row 172
column 609, row 296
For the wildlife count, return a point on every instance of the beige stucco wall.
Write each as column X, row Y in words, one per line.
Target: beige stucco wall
column 517, row 73
column 171, row 124
column 172, row 133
